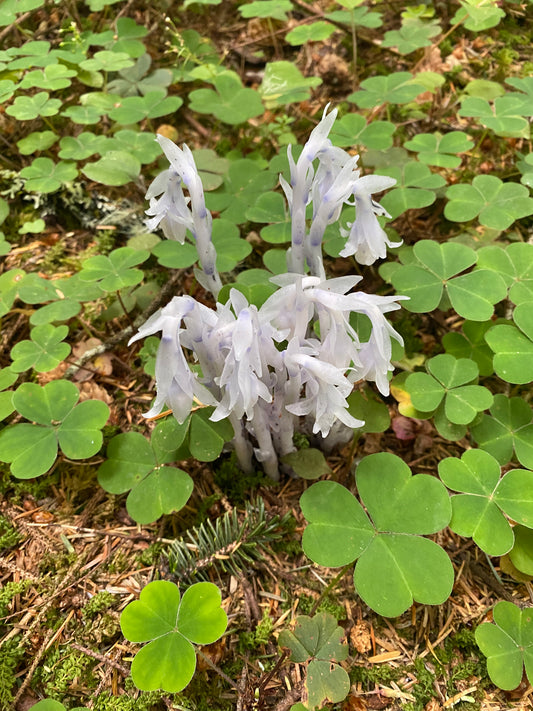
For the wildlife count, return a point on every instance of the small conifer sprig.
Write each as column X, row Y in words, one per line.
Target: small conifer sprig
column 230, row 544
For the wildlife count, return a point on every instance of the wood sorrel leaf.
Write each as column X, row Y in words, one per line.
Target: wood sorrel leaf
column 317, row 642
column 136, row 464
column 402, row 506
column 172, row 622
column 508, row 644
column 476, row 512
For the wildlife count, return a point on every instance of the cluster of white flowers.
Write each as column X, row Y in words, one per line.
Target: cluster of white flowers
column 266, row 369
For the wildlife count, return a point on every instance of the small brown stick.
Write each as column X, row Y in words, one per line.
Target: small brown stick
column 100, row 657
column 33, row 667
column 294, row 695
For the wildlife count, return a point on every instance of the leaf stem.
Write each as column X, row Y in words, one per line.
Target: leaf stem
column 330, row 586
column 216, row 668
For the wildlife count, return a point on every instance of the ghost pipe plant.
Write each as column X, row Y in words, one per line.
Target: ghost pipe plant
column 266, row 369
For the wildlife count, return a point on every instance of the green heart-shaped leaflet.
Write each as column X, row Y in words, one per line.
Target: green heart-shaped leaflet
column 399, row 566
column 338, row 530
column 521, row 555
column 168, row 662
column 508, row 644
column 326, row 682
column 513, row 354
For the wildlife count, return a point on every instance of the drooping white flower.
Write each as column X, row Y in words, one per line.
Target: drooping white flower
column 176, row 384
column 326, row 390
column 177, row 214
column 367, row 240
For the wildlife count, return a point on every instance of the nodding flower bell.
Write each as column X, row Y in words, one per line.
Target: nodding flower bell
column 367, row 240
column 173, row 213
column 289, row 364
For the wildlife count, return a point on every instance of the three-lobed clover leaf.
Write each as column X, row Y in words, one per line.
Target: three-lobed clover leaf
column 230, row 101
column 244, row 182
column 153, row 104
column 496, row 204
column 31, row 449
column 135, row 464
column 318, row 642
column 508, row 644
column 283, row 83
column 505, row 117
column 389, row 545
column 471, row 344
column 26, row 108
column 173, row 624
column 412, row 35
column 353, row 129
column 45, row 176
column 43, row 352
column 440, row 150
column 277, row 9
column 314, row 32
column 52, row 77
column 478, row 15
column 514, row 264
column 415, row 187
column 395, row 88
column 37, row 141
column 449, row 381
column 508, row 429
column 478, row 512
column 436, row 271
column 115, row 271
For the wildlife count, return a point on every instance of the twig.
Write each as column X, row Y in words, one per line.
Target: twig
column 291, row 698
column 33, row 667
column 217, row 669
column 12, row 26
column 100, row 657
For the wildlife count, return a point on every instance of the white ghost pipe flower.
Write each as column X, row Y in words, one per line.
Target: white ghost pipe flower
column 367, row 240
column 172, row 212
column 176, row 384
column 298, row 192
column 326, row 390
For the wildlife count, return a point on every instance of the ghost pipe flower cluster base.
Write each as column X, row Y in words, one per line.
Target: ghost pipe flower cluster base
column 266, row 369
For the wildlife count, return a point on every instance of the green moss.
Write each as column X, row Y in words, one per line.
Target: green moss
column 100, row 602
column 8, row 592
column 328, row 604
column 144, row 702
column 9, row 536
column 61, row 671
column 376, row 674
column 234, row 483
column 10, row 657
